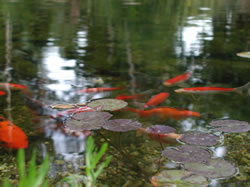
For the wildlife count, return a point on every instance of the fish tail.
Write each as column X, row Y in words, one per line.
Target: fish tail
column 139, row 131
column 242, row 89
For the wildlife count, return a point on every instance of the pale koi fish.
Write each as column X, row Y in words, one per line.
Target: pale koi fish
column 177, row 79
column 99, row 89
column 168, row 138
column 200, row 90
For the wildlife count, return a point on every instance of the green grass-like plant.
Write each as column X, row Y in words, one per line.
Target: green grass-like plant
column 34, row 177
column 92, row 157
column 92, row 168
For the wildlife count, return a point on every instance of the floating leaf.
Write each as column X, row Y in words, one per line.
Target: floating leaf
column 199, row 138
column 231, row 125
column 244, row 54
column 81, row 104
column 63, row 106
column 213, row 168
column 108, row 104
column 160, row 129
column 178, row 178
column 87, row 120
column 186, row 153
column 121, row 125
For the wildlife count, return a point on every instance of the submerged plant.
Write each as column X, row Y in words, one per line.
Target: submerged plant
column 33, row 177
column 93, row 156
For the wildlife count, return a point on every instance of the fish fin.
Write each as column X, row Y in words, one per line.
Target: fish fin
column 241, row 89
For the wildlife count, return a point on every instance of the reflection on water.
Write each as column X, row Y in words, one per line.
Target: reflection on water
column 77, row 45
column 220, row 151
column 66, row 144
column 197, row 29
column 56, row 69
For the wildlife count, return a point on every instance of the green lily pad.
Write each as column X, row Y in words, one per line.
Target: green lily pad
column 87, row 121
column 213, row 168
column 108, row 104
column 121, row 125
column 199, row 138
column 230, row 125
column 178, row 178
column 186, row 153
column 244, row 54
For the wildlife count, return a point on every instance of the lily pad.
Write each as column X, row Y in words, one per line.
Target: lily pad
column 178, row 178
column 213, row 168
column 244, row 54
column 230, row 125
column 199, row 138
column 108, row 104
column 121, row 125
column 186, row 153
column 160, row 129
column 87, row 121
column 63, row 106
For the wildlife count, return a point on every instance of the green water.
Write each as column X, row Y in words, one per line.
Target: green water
column 56, row 47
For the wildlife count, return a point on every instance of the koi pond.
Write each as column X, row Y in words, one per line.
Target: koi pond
column 118, row 71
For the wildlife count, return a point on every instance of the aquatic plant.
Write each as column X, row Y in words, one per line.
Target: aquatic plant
column 92, row 168
column 33, row 177
column 92, row 156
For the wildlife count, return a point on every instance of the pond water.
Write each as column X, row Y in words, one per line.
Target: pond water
column 57, row 47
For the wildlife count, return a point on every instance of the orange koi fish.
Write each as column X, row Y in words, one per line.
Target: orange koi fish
column 11, row 136
column 128, row 97
column 168, row 138
column 2, row 93
column 211, row 89
column 165, row 113
column 157, row 99
column 100, row 89
column 177, row 79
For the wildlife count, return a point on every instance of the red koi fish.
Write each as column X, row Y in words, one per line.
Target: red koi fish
column 128, row 97
column 167, row 138
column 100, row 89
column 211, row 89
column 12, row 86
column 11, row 136
column 157, row 99
column 177, row 79
column 165, row 113
column 2, row 93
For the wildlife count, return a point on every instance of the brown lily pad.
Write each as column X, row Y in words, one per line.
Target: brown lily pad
column 87, row 120
column 199, row 138
column 230, row 125
column 186, row 153
column 160, row 129
column 121, row 125
column 63, row 106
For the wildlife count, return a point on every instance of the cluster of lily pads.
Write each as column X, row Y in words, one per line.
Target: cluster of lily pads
column 194, row 155
column 196, row 159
